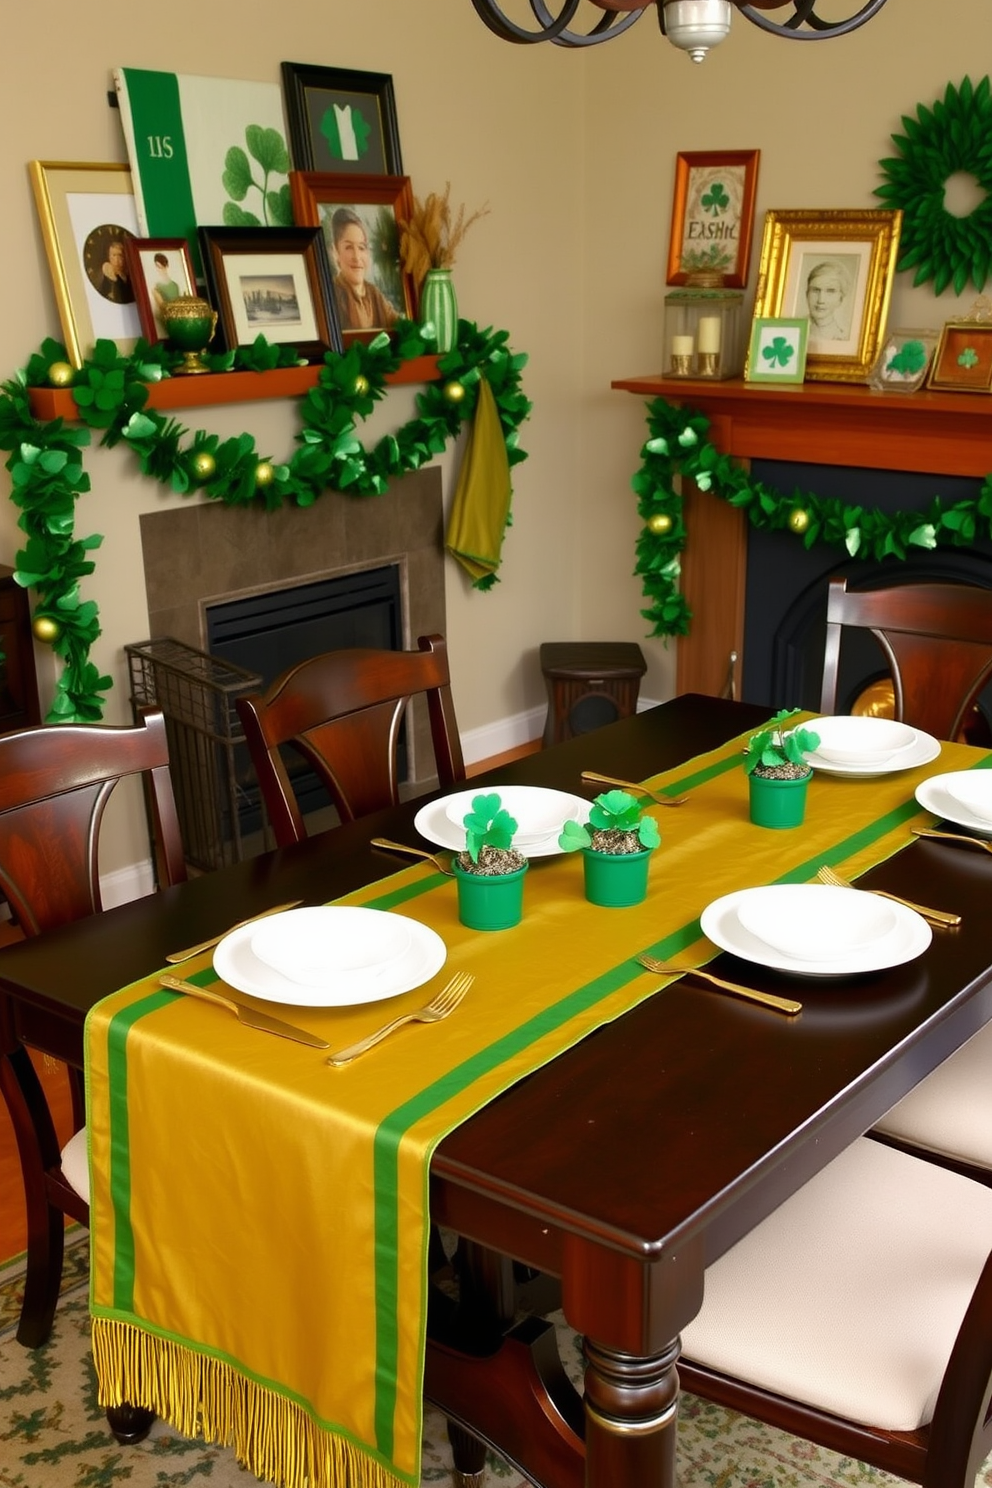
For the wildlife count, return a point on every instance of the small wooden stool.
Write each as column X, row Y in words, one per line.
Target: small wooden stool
column 590, row 683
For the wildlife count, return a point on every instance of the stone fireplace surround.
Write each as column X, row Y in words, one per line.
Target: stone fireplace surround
column 205, row 552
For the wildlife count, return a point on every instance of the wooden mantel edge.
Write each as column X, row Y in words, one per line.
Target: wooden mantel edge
column 839, row 424
column 211, row 388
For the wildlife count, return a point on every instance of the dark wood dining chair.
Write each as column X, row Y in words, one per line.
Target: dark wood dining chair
column 342, row 712
column 936, row 640
column 55, row 782
column 859, row 1316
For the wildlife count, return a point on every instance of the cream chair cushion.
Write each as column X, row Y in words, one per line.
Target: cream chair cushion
column 76, row 1164
column 950, row 1112
column 849, row 1297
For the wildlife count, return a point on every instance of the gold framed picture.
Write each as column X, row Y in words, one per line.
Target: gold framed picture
column 713, row 215
column 963, row 363
column 836, row 268
column 87, row 216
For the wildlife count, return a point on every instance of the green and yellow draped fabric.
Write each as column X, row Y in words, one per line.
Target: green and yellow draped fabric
column 259, row 1224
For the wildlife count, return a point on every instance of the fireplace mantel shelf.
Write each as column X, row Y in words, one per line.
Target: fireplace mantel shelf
column 211, row 388
column 821, row 423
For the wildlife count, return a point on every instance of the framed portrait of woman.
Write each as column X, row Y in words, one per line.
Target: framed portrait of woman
column 161, row 271
column 836, row 269
column 361, row 219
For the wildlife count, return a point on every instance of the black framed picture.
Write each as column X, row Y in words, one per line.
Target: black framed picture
column 271, row 281
column 341, row 120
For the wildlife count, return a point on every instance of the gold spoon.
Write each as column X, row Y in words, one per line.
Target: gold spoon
column 632, row 785
column 414, row 852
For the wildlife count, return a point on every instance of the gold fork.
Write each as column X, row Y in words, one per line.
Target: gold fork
column 953, row 837
column 768, row 999
column 632, row 785
column 414, row 852
column 440, row 1005
column 935, row 916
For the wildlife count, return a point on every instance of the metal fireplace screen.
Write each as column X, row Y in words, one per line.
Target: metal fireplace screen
column 197, row 692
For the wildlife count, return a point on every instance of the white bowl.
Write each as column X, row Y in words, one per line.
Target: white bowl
column 538, row 813
column 815, row 922
column 320, row 945
column 848, row 739
column 972, row 789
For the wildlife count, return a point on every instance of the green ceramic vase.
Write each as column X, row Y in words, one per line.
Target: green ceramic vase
column 616, row 880
column 490, row 901
column 777, row 803
column 439, row 305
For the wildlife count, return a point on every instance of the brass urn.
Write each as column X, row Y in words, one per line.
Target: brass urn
column 191, row 323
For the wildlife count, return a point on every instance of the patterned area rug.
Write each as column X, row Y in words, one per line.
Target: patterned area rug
column 53, row 1433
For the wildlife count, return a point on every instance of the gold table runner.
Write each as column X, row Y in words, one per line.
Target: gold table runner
column 259, row 1220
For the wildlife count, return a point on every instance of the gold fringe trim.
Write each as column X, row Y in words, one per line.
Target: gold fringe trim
column 271, row 1436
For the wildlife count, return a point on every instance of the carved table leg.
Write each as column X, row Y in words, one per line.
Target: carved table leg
column 486, row 1305
column 631, row 1408
column 129, row 1423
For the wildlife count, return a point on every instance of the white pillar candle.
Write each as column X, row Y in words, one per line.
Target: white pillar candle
column 682, row 346
column 709, row 333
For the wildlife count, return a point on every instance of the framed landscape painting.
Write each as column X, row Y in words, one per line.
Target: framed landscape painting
column 271, row 282
column 836, row 268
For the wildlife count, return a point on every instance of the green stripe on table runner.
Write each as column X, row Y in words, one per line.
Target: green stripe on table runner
column 120, row 1141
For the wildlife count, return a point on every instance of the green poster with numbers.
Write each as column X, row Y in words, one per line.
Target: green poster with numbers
column 204, row 151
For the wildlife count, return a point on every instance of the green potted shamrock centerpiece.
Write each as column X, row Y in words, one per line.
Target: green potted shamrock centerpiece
column 778, row 772
column 616, row 844
column 490, row 871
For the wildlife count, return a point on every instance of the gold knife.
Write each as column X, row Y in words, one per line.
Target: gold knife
column 246, row 1015
column 205, row 945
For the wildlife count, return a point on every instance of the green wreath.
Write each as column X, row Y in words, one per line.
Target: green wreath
column 677, row 446
column 111, row 394
column 955, row 135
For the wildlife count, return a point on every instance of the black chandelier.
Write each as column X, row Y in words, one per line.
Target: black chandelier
column 692, row 25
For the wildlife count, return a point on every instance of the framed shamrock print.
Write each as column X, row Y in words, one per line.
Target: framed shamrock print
column 963, row 363
column 713, row 215
column 903, row 361
column 777, row 352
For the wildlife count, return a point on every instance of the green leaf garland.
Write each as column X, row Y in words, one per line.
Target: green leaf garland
column 677, row 446
column 954, row 135
column 111, row 395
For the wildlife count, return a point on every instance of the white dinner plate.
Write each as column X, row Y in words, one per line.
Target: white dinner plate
column 923, row 749
column 331, row 944
column 432, row 821
column 237, row 964
column 816, row 922
column 934, row 796
column 853, row 739
column 908, row 938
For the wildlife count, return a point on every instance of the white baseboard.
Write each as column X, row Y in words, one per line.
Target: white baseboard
column 507, row 733
column 125, row 884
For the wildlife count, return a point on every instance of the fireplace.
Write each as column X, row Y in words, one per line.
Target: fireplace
column 262, row 590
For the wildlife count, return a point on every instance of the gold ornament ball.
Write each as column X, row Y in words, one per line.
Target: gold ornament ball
column 361, row 385
column 264, row 473
column 60, row 374
column 45, row 629
column 660, row 524
column 454, row 392
column 798, row 520
column 204, row 465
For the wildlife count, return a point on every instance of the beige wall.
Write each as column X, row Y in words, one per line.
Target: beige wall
column 574, row 152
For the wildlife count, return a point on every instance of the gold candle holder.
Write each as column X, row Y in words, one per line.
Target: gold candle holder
column 681, row 364
column 709, row 364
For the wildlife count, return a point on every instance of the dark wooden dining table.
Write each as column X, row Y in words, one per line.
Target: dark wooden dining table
column 629, row 1163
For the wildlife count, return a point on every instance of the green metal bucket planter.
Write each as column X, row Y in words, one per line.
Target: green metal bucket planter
column 776, row 802
column 490, row 901
column 616, row 880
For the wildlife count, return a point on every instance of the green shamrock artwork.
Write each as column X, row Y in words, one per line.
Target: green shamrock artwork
column 267, row 149
column 715, row 201
column 778, row 353
column 909, row 359
column 346, row 131
column 968, row 358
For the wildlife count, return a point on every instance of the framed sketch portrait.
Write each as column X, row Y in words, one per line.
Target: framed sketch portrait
column 87, row 216
column 777, row 351
column 713, row 215
column 835, row 268
column 360, row 220
column 341, row 121
column 161, row 270
column 271, row 281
